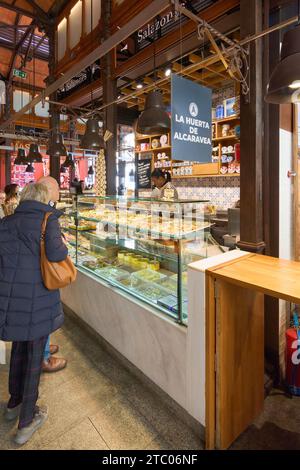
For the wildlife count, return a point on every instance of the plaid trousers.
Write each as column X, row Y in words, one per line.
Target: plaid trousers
column 24, row 377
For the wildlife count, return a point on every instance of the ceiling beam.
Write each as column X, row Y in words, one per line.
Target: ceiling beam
column 18, row 47
column 57, row 7
column 153, row 9
column 17, row 9
column 42, row 15
column 11, row 47
column 23, row 86
column 24, row 60
column 39, row 43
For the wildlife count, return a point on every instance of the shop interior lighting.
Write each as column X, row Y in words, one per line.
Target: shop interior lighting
column 284, row 84
column 91, row 170
column 30, row 168
column 92, row 139
column 154, row 119
column 69, row 162
column 21, row 157
column 295, row 84
column 56, row 145
column 34, row 155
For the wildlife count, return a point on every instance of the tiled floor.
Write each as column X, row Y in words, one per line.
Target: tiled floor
column 97, row 404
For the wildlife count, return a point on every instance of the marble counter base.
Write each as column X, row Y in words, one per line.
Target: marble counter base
column 153, row 343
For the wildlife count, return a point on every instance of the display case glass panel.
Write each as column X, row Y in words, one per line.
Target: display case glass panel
column 141, row 246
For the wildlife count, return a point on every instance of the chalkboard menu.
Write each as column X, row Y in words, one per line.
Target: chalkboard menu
column 144, row 174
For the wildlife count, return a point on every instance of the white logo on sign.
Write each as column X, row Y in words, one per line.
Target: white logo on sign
column 193, row 108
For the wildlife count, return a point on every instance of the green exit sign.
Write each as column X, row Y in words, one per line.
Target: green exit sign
column 19, row 73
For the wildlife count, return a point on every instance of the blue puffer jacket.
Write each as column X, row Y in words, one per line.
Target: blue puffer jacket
column 28, row 310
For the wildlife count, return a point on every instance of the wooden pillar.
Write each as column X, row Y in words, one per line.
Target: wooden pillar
column 252, row 237
column 53, row 112
column 109, row 95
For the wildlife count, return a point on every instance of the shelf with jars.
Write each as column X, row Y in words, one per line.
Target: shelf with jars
column 225, row 152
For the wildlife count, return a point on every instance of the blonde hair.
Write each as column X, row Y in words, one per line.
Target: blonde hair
column 35, row 192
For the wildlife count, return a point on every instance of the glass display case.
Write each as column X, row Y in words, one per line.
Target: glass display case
column 141, row 246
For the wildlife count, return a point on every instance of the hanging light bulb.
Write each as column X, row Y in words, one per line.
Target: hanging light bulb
column 21, row 157
column 284, row 84
column 91, row 170
column 34, row 155
column 56, row 145
column 154, row 119
column 92, row 139
column 69, row 162
column 29, row 168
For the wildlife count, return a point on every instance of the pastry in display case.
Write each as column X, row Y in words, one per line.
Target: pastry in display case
column 141, row 246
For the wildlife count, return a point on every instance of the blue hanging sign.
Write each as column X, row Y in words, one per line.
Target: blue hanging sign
column 191, row 121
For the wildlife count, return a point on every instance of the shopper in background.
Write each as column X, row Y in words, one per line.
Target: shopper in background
column 29, row 312
column 11, row 199
column 51, row 363
column 164, row 189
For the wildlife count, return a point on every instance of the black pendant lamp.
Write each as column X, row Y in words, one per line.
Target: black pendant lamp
column 91, row 170
column 56, row 146
column 154, row 119
column 34, row 155
column 92, row 139
column 284, row 84
column 30, row 168
column 69, row 162
column 21, row 157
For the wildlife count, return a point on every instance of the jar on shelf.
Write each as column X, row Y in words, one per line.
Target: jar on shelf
column 225, row 130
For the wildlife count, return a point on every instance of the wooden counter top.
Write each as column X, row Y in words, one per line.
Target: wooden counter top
column 273, row 276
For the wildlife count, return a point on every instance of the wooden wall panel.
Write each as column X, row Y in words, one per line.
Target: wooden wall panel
column 239, row 360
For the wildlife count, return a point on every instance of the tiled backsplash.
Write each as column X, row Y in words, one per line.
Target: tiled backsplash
column 223, row 192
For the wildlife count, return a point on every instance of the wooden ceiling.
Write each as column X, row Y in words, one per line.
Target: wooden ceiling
column 21, row 41
column 199, row 66
column 30, row 8
column 139, row 69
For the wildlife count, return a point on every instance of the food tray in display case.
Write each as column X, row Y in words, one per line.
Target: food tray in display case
column 141, row 246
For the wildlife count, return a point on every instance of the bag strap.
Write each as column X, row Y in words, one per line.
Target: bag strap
column 44, row 225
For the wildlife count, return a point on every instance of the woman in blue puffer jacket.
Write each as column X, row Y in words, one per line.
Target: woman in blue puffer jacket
column 29, row 312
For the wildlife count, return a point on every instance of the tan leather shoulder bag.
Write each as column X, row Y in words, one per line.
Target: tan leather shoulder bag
column 55, row 275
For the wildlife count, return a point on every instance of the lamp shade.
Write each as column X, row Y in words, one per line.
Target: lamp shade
column 91, row 170
column 154, row 119
column 92, row 138
column 21, row 157
column 29, row 168
column 284, row 84
column 34, row 155
column 69, row 162
column 56, row 146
